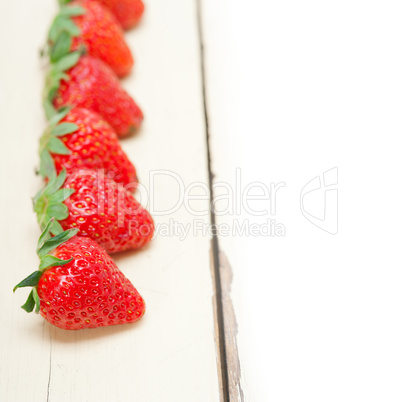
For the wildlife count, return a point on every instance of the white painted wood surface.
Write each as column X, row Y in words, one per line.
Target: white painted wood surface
column 295, row 89
column 170, row 355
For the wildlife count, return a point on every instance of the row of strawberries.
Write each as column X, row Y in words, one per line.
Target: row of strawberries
column 87, row 208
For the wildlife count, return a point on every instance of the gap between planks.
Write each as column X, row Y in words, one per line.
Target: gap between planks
column 225, row 322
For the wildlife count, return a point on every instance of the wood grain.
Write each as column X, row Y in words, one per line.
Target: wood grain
column 170, row 355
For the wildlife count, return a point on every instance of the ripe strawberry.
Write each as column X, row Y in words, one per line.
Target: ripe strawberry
column 127, row 12
column 99, row 207
column 89, row 83
column 79, row 286
column 83, row 140
column 95, row 29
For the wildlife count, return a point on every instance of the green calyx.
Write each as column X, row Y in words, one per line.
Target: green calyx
column 63, row 2
column 48, row 203
column 46, row 245
column 61, row 57
column 50, row 143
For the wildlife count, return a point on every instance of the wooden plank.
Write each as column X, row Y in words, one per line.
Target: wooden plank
column 170, row 355
column 294, row 90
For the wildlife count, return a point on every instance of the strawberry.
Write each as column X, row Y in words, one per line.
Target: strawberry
column 96, row 205
column 86, row 24
column 127, row 12
column 78, row 285
column 89, row 83
column 81, row 139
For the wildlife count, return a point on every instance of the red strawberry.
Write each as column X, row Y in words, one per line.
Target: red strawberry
column 92, row 85
column 79, row 286
column 83, row 140
column 99, row 207
column 127, row 12
column 94, row 28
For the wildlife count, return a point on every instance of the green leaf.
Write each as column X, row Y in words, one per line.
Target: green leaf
column 36, row 299
column 61, row 47
column 50, row 110
column 37, row 199
column 44, row 218
column 59, row 211
column 51, row 261
column 47, row 167
column 30, row 303
column 61, row 195
column 56, row 228
column 54, row 30
column 64, row 128
column 72, row 11
column 50, row 188
column 57, row 146
column 53, row 79
column 45, row 235
column 69, row 26
column 43, row 140
column 51, row 93
column 55, row 241
column 59, row 116
column 48, row 203
column 31, row 280
column 55, row 183
column 67, row 61
column 62, row 23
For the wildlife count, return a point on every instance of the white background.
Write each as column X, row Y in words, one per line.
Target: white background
column 295, row 89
